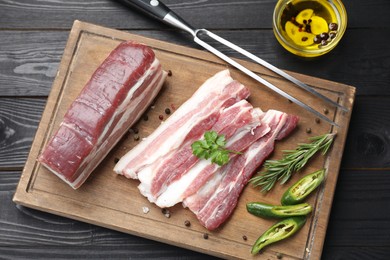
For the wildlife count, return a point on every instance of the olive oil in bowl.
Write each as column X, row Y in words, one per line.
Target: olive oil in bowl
column 309, row 28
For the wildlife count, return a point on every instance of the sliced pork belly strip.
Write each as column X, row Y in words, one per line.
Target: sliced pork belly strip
column 201, row 172
column 128, row 78
column 216, row 200
column 216, row 93
column 156, row 177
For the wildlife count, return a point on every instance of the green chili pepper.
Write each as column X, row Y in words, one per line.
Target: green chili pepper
column 271, row 211
column 302, row 188
column 281, row 230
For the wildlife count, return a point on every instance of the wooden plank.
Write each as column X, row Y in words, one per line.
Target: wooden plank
column 27, row 68
column 350, row 234
column 369, row 139
column 362, row 252
column 366, row 145
column 19, row 120
column 253, row 14
column 360, row 210
column 62, row 14
column 87, row 46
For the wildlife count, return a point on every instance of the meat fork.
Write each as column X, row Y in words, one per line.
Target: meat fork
column 161, row 12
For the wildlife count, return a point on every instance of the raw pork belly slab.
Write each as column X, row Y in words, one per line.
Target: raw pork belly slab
column 114, row 98
column 214, row 202
column 168, row 171
column 189, row 122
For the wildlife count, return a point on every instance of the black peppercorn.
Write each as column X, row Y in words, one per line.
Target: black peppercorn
column 326, row 111
column 333, row 26
column 206, row 236
column 167, row 111
column 187, row 223
column 324, row 36
column 317, row 39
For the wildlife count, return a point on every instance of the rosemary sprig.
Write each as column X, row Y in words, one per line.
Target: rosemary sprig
column 292, row 161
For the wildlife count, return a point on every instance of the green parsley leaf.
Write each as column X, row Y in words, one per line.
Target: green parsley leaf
column 212, row 147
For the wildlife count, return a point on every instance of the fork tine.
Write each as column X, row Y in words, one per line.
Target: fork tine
column 261, row 80
column 272, row 68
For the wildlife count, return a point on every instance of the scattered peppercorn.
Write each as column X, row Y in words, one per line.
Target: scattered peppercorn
column 304, row 39
column 135, row 130
column 146, row 118
column 116, row 160
column 318, row 120
column 206, row 236
column 333, row 26
column 324, row 42
column 136, row 137
column 187, row 223
column 279, row 255
column 326, row 111
column 169, row 73
column 244, row 238
column 332, row 35
column 166, row 212
column 308, row 130
column 167, row 111
column 161, row 117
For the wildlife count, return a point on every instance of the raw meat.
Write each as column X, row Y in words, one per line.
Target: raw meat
column 168, row 171
column 197, row 115
column 180, row 181
column 118, row 92
column 198, row 175
column 214, row 202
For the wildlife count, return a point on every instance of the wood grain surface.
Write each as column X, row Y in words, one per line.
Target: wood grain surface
column 33, row 35
column 87, row 47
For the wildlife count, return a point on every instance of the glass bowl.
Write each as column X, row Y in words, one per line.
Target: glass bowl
column 309, row 28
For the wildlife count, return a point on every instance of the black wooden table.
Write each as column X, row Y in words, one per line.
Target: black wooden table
column 32, row 39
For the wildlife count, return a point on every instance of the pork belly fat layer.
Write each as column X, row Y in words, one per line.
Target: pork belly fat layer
column 216, row 93
column 116, row 95
column 215, row 202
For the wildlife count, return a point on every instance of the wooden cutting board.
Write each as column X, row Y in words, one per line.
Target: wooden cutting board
column 113, row 201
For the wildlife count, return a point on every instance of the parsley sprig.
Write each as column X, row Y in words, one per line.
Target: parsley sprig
column 292, row 161
column 212, row 147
